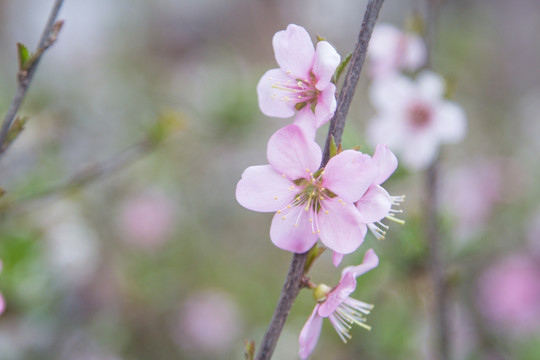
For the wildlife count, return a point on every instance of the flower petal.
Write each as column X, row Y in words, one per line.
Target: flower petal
column 346, row 286
column 420, row 151
column 273, row 97
column 337, row 258
column 326, row 105
column 349, row 174
column 326, row 61
column 294, row 51
column 374, row 205
column 309, row 336
column 305, row 119
column 391, row 92
column 262, row 189
column 431, row 85
column 385, row 161
column 450, row 122
column 370, row 262
column 291, row 230
column 291, row 153
column 341, row 227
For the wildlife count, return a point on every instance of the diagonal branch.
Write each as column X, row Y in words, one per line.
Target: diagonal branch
column 25, row 75
column 292, row 285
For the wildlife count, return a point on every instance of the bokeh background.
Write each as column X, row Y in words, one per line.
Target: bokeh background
column 156, row 260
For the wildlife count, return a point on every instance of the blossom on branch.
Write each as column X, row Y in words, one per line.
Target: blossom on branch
column 335, row 304
column 376, row 204
column 413, row 118
column 302, row 83
column 309, row 203
column 391, row 50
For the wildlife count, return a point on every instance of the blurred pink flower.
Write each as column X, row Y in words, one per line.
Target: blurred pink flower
column 413, row 118
column 471, row 192
column 147, row 219
column 309, row 203
column 391, row 50
column 336, row 305
column 208, row 322
column 303, row 80
column 509, row 293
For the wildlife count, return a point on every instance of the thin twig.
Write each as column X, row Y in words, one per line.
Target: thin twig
column 433, row 234
column 48, row 37
column 88, row 175
column 337, row 124
column 296, row 271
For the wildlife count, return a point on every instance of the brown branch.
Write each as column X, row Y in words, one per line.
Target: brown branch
column 25, row 75
column 296, row 271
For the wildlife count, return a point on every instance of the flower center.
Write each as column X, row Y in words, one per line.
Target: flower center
column 309, row 200
column 302, row 91
column 419, row 115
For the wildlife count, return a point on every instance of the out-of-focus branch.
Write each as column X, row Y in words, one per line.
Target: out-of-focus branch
column 88, row 175
column 431, row 207
column 27, row 70
column 296, row 271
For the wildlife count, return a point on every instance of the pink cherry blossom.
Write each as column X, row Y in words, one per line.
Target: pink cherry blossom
column 413, row 118
column 147, row 220
column 509, row 293
column 309, row 203
column 303, row 80
column 391, row 50
column 376, row 204
column 335, row 304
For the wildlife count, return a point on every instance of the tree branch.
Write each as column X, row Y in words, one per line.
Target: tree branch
column 48, row 37
column 293, row 281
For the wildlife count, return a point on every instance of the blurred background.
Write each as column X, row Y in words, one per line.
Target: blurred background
column 156, row 259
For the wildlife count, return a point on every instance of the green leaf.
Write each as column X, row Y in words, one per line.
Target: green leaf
column 250, row 349
column 23, row 54
column 340, row 68
column 333, row 147
column 15, row 130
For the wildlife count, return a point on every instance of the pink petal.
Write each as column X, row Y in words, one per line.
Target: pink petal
column 387, row 128
column 294, row 51
column 292, row 154
column 326, row 61
column 341, row 227
column 326, row 105
column 272, row 96
column 346, row 286
column 391, row 92
column 337, row 258
column 349, row 174
column 416, row 54
column 431, row 86
column 294, row 233
column 450, row 122
column 370, row 262
column 385, row 161
column 309, row 336
column 374, row 205
column 261, row 188
column 420, row 151
column 2, row 304
column 305, row 119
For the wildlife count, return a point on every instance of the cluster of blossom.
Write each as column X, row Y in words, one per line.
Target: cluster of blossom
column 336, row 203
column 413, row 117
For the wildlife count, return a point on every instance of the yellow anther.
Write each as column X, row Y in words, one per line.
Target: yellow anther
column 279, row 211
column 326, row 212
column 275, row 197
column 310, row 220
column 283, row 218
